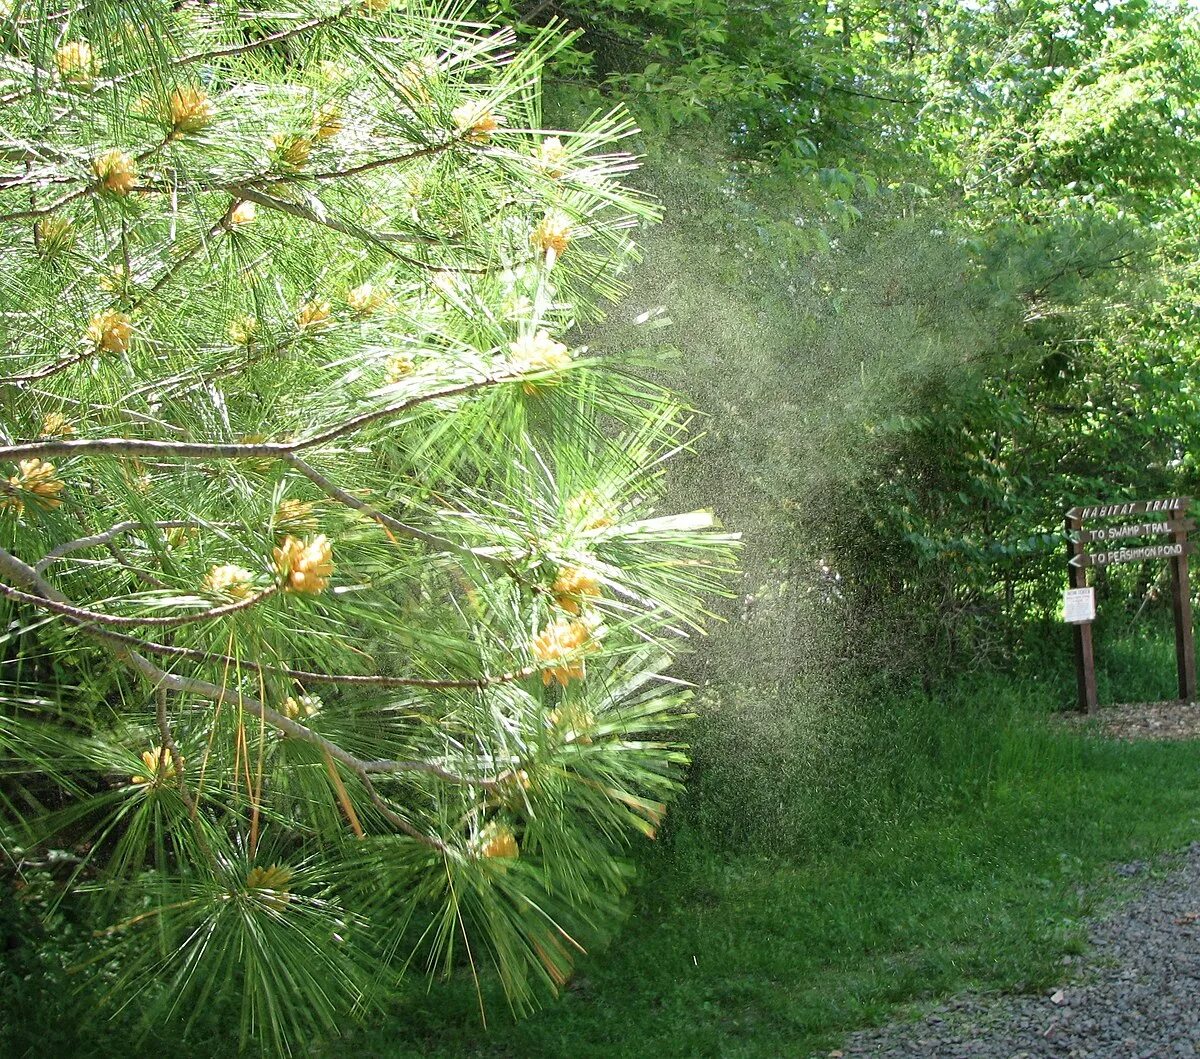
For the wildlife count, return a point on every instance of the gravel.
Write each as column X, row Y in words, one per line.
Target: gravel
column 1139, row 720
column 1136, row 995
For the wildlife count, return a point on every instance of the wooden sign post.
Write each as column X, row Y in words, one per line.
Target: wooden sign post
column 1181, row 605
column 1085, row 660
column 1163, row 518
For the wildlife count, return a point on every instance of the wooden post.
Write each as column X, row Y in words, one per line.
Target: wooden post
column 1085, row 661
column 1181, row 604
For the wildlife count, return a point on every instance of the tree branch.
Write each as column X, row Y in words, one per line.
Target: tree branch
column 384, row 241
column 395, row 525
column 48, row 370
column 109, row 535
column 89, row 617
column 237, row 450
column 43, row 593
column 308, row 676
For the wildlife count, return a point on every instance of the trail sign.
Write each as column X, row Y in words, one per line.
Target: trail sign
column 1135, row 507
column 1136, row 529
column 1131, row 555
column 1079, row 604
column 1079, row 600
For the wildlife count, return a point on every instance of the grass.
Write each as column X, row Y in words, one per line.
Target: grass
column 929, row 844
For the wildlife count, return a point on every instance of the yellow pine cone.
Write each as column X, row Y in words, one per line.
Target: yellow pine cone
column 54, row 234
column 76, row 62
column 290, row 149
column 228, row 580
column 302, row 707
column 497, row 840
column 295, row 515
column 538, row 352
column 573, row 586
column 476, row 121
column 560, row 647
column 242, row 330
column 551, row 155
column 314, row 315
column 304, row 566
column 553, row 234
column 36, row 478
column 399, row 366
column 328, row 121
column 188, row 109
column 243, row 213
column 56, row 425
column 274, row 881
column 159, row 766
column 110, row 331
column 368, row 298
column 116, row 171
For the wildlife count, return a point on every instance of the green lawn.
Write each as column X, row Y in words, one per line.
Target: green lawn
column 936, row 842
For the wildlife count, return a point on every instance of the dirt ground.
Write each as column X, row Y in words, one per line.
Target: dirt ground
column 1142, row 720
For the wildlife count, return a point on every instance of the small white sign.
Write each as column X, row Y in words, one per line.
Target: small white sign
column 1079, row 605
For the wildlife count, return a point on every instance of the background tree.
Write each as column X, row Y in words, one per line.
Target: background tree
column 337, row 600
column 963, row 237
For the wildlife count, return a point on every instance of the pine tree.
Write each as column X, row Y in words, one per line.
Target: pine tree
column 337, row 603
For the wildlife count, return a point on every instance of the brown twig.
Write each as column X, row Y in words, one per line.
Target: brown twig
column 21, row 572
column 94, row 617
column 307, row 676
column 238, row 450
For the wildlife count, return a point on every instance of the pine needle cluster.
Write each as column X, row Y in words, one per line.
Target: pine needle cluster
column 337, row 604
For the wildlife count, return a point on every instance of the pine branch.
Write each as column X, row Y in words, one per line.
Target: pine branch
column 85, row 616
column 44, row 594
column 43, row 78
column 238, row 450
column 395, row 525
column 307, row 676
column 111, row 534
column 47, row 371
column 384, row 241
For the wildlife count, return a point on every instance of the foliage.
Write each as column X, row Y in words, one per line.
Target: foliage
column 1069, row 131
column 798, row 107
column 1005, row 331
column 334, row 585
column 916, row 857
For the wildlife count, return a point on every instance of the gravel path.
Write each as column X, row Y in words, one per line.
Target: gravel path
column 1138, row 994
